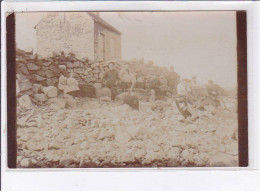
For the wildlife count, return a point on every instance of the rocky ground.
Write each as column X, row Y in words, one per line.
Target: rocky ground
column 95, row 133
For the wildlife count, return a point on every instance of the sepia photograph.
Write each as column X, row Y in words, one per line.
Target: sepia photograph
column 126, row 89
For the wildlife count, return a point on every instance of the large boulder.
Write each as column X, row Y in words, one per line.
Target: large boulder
column 95, row 64
column 25, row 102
column 106, row 92
column 38, row 78
column 41, row 72
column 126, row 98
column 55, row 80
column 97, row 85
column 36, row 87
column 46, row 64
column 41, row 97
column 85, row 90
column 101, row 75
column 21, row 77
column 32, row 67
column 132, row 101
column 56, row 70
column 27, row 92
column 50, row 74
column 70, row 103
column 24, row 85
column 44, row 68
column 56, row 103
column 50, row 82
column 17, row 88
column 62, row 67
column 25, row 162
column 96, row 71
column 24, row 70
column 98, row 88
column 121, row 96
column 77, row 64
column 50, row 91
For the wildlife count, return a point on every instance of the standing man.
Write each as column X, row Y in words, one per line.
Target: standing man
column 173, row 79
column 197, row 93
column 181, row 99
column 110, row 80
column 195, row 87
column 213, row 93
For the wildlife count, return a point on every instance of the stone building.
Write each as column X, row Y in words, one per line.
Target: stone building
column 83, row 33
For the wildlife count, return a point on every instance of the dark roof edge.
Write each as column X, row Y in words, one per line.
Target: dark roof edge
column 103, row 22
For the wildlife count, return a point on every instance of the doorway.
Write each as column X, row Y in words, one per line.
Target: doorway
column 102, row 47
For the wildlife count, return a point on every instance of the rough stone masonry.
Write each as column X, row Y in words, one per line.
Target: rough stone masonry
column 34, row 74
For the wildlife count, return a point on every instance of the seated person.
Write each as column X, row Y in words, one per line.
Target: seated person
column 72, row 85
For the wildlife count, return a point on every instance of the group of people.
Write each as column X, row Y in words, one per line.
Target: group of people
column 193, row 96
column 125, row 78
column 187, row 94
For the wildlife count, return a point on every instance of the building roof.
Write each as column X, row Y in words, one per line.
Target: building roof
column 99, row 20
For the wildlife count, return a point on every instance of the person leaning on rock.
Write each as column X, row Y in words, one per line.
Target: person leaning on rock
column 62, row 85
column 128, row 79
column 110, row 80
column 156, row 88
column 72, row 85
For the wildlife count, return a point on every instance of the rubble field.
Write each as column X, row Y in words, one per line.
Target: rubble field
column 103, row 134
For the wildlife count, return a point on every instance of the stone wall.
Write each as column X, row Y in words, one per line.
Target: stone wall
column 35, row 74
column 32, row 72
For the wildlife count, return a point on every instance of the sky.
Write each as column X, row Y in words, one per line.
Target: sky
column 196, row 43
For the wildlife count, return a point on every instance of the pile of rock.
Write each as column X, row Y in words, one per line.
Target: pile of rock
column 38, row 78
column 32, row 70
column 148, row 71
